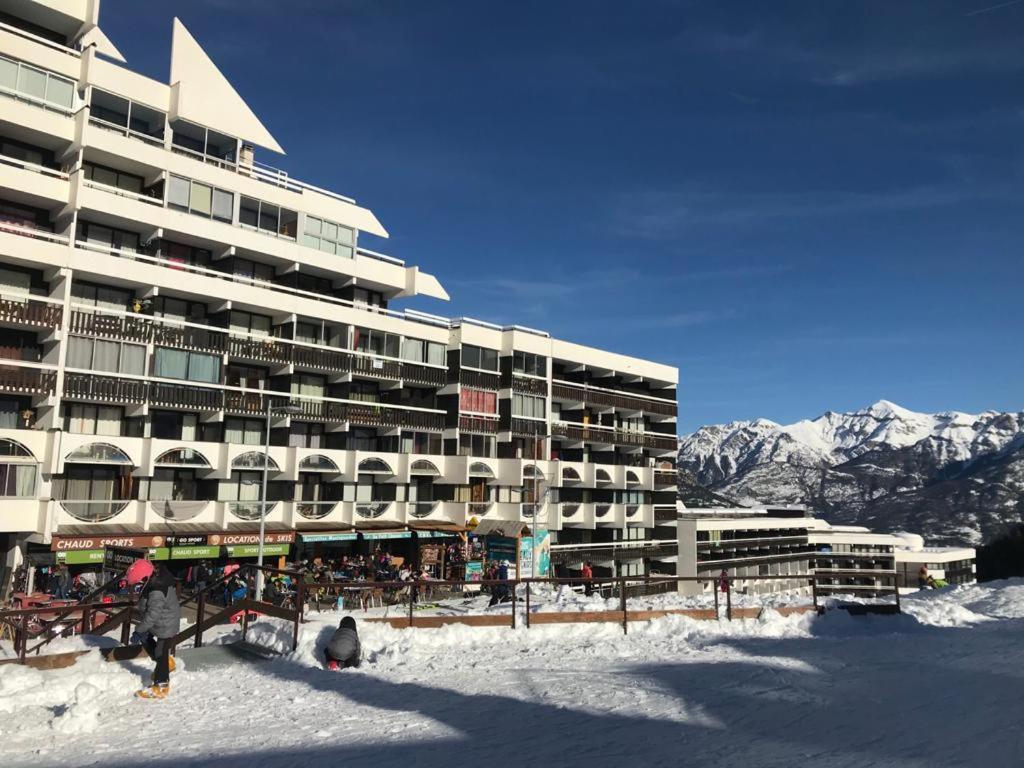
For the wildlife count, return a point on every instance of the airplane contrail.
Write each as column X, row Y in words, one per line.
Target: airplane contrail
column 994, row 7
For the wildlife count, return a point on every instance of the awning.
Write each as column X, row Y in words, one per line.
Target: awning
column 509, row 528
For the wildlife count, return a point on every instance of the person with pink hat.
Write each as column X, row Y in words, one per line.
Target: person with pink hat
column 160, row 622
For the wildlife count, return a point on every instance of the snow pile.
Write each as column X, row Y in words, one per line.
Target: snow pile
column 67, row 700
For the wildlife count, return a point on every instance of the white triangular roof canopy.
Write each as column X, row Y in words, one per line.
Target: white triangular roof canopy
column 201, row 94
column 103, row 45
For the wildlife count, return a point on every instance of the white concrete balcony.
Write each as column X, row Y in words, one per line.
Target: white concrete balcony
column 23, row 515
column 323, row 515
column 168, row 515
column 576, row 515
column 571, row 474
column 609, row 515
column 478, row 510
column 35, row 184
column 91, row 516
column 505, row 512
column 436, row 512
column 245, row 515
column 638, row 515
column 379, row 513
column 32, row 246
column 251, row 457
column 37, row 117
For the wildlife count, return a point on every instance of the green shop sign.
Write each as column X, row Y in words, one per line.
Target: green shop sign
column 253, row 550
column 195, row 553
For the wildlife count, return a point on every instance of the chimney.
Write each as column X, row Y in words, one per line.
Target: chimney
column 245, row 159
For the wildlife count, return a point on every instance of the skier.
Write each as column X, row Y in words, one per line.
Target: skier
column 160, row 622
column 343, row 649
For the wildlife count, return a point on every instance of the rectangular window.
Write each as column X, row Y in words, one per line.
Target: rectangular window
column 268, row 218
column 529, row 363
column 94, row 420
column 248, row 322
column 199, row 199
column 308, row 384
column 478, row 357
column 181, row 364
column 529, row 406
column 103, row 355
column 328, row 237
column 243, row 431
column 435, row 353
column 479, row 400
column 413, row 350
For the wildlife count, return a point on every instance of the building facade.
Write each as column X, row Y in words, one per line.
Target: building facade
column 169, row 305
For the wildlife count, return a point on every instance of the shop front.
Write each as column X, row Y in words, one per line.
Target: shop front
column 179, row 551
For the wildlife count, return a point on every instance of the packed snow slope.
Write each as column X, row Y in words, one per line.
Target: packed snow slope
column 939, row 686
column 954, row 477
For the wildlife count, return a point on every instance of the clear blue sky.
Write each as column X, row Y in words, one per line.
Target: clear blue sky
column 803, row 205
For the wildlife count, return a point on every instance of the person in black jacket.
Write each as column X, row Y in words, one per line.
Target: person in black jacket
column 160, row 621
column 343, row 648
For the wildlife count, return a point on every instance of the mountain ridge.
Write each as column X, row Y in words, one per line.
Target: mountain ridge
column 953, row 476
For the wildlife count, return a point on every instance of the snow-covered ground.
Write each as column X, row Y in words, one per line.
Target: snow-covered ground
column 938, row 686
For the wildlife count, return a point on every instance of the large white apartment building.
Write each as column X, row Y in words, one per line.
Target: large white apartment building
column 161, row 290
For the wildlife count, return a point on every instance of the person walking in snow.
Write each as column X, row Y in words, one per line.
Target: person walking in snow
column 343, row 649
column 587, row 572
column 160, row 622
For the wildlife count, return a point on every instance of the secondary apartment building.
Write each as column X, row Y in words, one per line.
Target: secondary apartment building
column 788, row 541
column 165, row 297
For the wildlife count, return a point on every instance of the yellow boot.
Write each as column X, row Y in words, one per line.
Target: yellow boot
column 154, row 692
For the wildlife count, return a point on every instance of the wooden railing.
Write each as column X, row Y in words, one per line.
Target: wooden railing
column 614, row 436
column 480, row 380
column 30, row 312
column 27, row 380
column 529, row 386
column 85, row 386
column 528, row 427
column 583, row 394
column 144, row 330
column 478, row 424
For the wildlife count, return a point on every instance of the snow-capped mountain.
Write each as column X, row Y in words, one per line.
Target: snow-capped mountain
column 956, row 477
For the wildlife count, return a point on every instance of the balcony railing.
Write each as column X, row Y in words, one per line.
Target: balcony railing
column 33, row 232
column 479, row 380
column 602, row 510
column 423, row 374
column 315, row 510
column 28, row 381
column 124, row 327
column 666, row 478
column 157, row 141
column 87, row 386
column 528, row 427
column 129, row 327
column 179, row 510
column 479, row 508
column 596, row 434
column 29, row 311
column 370, row 510
column 581, row 394
column 94, row 511
column 421, row 509
column 249, row 510
column 664, row 513
column 478, row 424
column 529, row 386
